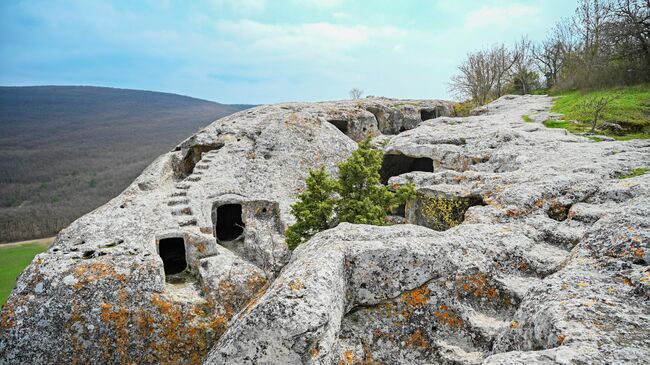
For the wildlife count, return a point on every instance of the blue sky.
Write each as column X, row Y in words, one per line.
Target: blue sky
column 259, row 51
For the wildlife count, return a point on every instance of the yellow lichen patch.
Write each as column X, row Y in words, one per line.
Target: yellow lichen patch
column 443, row 213
column 296, row 285
column 255, row 282
column 349, row 358
column 447, row 317
column 582, row 285
column 314, row 352
column 417, row 297
column 416, row 339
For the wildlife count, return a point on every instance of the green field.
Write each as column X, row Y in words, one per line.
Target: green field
column 630, row 108
column 14, row 258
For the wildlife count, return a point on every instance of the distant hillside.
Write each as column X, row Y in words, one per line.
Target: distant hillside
column 65, row 150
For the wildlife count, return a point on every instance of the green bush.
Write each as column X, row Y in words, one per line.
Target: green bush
column 357, row 196
column 463, row 109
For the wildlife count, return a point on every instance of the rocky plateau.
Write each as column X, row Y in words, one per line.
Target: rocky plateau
column 549, row 264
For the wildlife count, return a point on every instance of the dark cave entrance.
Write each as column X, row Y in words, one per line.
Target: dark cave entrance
column 394, row 165
column 342, row 125
column 172, row 252
column 229, row 224
column 426, row 114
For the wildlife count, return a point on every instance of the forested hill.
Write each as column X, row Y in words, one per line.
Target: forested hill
column 65, row 150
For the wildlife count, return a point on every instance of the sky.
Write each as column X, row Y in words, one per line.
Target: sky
column 260, row 51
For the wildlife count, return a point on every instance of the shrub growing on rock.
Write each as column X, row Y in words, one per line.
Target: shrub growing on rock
column 357, row 196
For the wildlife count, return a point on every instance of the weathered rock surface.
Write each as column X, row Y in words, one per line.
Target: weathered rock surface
column 155, row 275
column 523, row 247
column 550, row 264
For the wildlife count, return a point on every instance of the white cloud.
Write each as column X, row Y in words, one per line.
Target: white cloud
column 326, row 3
column 498, row 16
column 241, row 6
column 307, row 38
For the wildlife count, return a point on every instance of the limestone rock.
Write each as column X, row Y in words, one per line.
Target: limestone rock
column 550, row 265
column 156, row 274
column 523, row 246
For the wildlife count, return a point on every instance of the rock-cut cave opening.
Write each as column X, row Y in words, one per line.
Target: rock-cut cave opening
column 342, row 125
column 229, row 224
column 172, row 252
column 394, row 165
column 194, row 155
column 426, row 114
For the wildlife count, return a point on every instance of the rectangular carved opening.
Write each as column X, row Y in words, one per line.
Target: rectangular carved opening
column 426, row 114
column 394, row 165
column 229, row 224
column 172, row 252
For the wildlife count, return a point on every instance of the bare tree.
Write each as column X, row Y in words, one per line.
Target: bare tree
column 524, row 76
column 551, row 53
column 475, row 78
column 631, row 31
column 356, row 93
column 595, row 106
column 590, row 22
column 502, row 61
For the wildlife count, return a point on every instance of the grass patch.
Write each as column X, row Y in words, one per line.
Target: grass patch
column 526, row 118
column 13, row 260
column 630, row 109
column 636, row 172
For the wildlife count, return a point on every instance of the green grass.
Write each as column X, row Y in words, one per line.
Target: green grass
column 636, row 172
column 526, row 118
column 13, row 260
column 630, row 109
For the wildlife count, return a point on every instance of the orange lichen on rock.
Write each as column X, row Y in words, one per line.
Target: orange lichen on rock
column 255, row 282
column 447, row 317
column 476, row 285
column 95, row 271
column 416, row 339
column 8, row 313
column 417, row 297
column 187, row 332
column 349, row 358
column 560, row 340
column 639, row 252
column 314, row 352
